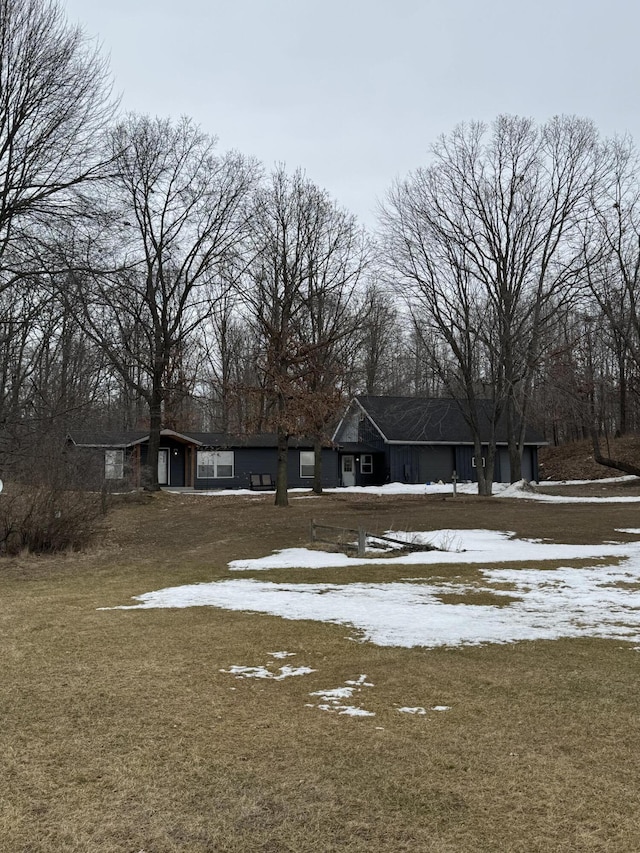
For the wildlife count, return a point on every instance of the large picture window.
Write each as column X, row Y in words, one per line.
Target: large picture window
column 307, row 463
column 114, row 464
column 215, row 464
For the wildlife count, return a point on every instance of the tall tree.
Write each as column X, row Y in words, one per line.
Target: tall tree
column 481, row 239
column 175, row 211
column 611, row 245
column 306, row 258
column 54, row 105
column 55, row 101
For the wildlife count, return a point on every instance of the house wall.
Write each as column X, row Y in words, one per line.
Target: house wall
column 368, row 434
column 88, row 469
column 329, row 469
column 264, row 460
column 465, row 463
column 421, row 464
column 435, row 463
column 379, row 475
column 529, row 465
column 404, row 463
column 177, row 451
column 350, row 425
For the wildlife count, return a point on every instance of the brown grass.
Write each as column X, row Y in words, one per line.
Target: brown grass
column 121, row 734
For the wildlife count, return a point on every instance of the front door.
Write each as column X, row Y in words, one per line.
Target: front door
column 163, row 466
column 348, row 471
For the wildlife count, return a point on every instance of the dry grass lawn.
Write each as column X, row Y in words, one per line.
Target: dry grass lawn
column 120, row 733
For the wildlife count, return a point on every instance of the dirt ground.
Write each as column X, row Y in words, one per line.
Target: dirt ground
column 575, row 461
column 124, row 731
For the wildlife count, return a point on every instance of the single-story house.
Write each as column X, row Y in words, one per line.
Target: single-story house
column 417, row 440
column 379, row 439
column 198, row 460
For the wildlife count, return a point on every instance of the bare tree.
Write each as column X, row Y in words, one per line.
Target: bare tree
column 377, row 336
column 481, row 239
column 54, row 104
column 175, row 211
column 611, row 245
column 306, row 258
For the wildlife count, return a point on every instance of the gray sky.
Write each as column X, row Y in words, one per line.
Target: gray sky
column 355, row 91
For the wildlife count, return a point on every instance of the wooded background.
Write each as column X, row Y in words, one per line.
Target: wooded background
column 147, row 279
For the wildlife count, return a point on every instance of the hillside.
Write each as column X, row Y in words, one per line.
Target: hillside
column 574, row 461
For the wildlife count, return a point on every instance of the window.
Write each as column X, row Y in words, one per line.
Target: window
column 473, row 462
column 307, row 463
column 215, row 464
column 114, row 464
column 366, row 463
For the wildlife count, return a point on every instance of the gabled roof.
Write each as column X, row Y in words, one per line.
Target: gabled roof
column 130, row 438
column 429, row 420
column 125, row 438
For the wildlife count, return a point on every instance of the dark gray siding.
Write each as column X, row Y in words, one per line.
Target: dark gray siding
column 435, row 463
column 404, row 463
column 418, row 464
column 368, row 434
column 380, row 474
column 329, row 469
column 264, row 460
column 246, row 461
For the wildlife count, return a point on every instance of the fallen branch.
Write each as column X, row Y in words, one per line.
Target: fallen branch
column 616, row 464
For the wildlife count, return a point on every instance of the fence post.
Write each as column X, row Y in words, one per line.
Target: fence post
column 313, row 530
column 454, row 480
column 362, row 541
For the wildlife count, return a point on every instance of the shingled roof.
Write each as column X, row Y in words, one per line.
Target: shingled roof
column 129, row 438
column 429, row 420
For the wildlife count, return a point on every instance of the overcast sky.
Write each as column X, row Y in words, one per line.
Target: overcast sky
column 355, row 91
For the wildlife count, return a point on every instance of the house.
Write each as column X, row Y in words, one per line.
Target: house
column 196, row 459
column 417, row 440
column 379, row 439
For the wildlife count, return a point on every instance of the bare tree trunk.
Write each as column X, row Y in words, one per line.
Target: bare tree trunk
column 317, row 468
column 282, row 496
column 484, row 473
column 515, row 457
column 155, row 425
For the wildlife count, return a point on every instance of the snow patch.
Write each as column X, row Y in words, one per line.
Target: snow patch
column 263, row 672
column 539, row 603
column 332, row 699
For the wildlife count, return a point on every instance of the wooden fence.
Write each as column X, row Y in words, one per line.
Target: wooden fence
column 351, row 538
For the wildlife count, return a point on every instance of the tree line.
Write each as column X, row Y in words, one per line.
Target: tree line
column 146, row 279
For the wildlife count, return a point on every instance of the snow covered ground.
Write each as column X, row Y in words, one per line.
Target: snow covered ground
column 500, row 490
column 538, row 602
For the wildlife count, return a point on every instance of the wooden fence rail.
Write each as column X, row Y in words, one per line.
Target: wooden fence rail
column 343, row 537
